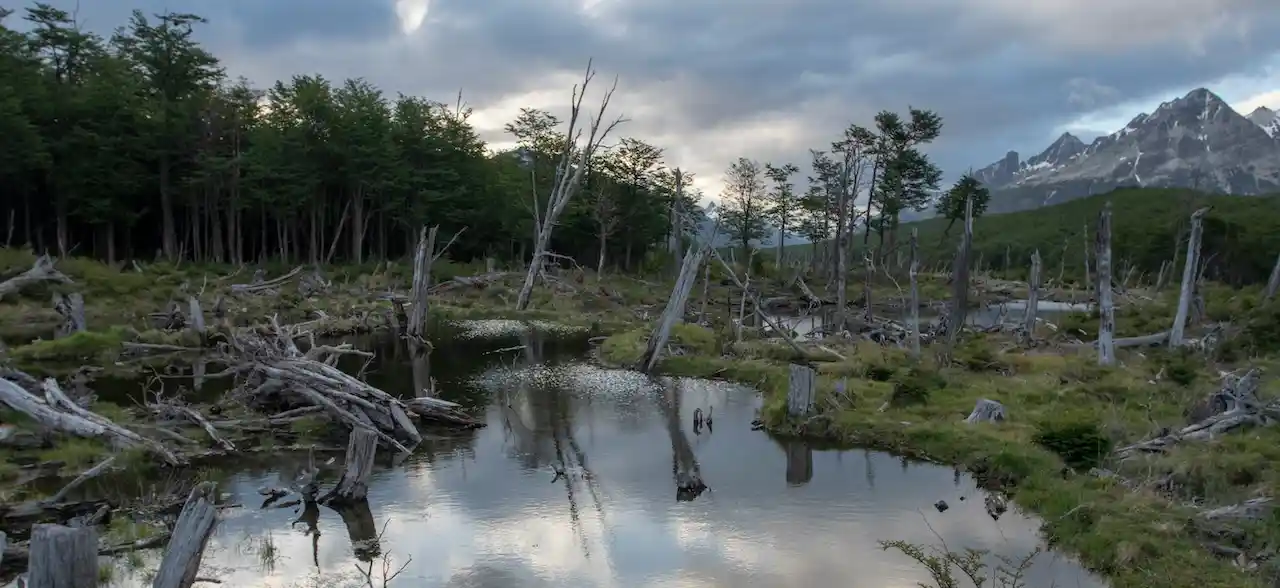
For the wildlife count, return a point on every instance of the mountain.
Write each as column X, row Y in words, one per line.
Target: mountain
column 1268, row 119
column 1197, row 141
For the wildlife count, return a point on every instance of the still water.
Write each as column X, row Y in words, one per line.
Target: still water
column 486, row 509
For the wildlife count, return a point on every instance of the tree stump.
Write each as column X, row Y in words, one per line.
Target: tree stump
column 353, row 486
column 63, row 557
column 190, row 536
column 195, row 320
column 800, row 388
column 71, row 309
column 986, row 411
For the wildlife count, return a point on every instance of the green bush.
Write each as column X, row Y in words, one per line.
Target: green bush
column 1080, row 444
column 915, row 386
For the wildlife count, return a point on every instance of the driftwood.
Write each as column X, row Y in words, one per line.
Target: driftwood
column 1106, row 305
column 272, row 368
column 41, row 271
column 58, row 412
column 477, row 281
column 71, row 309
column 1178, row 330
column 1234, row 406
column 986, row 411
column 188, row 413
column 63, row 557
column 433, row 409
column 190, row 536
column 353, row 486
column 85, row 476
column 800, row 390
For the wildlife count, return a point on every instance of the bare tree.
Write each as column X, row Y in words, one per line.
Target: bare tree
column 569, row 173
column 604, row 211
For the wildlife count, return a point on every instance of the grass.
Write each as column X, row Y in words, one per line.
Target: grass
column 1065, row 414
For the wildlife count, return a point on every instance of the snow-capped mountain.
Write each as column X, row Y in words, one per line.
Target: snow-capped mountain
column 1268, row 119
column 1197, row 141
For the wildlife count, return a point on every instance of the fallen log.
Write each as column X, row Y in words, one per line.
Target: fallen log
column 1238, row 407
column 59, row 413
column 41, row 271
column 190, row 536
column 433, row 409
column 88, row 474
column 261, row 285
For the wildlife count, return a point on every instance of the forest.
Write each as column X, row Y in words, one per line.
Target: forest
column 141, row 145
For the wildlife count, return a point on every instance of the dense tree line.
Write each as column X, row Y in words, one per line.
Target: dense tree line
column 140, row 144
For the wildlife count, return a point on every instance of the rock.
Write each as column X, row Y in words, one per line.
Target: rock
column 941, row 505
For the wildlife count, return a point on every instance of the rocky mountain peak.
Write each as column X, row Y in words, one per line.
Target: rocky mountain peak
column 1196, row 141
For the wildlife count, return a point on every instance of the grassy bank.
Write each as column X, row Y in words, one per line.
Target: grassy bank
column 1066, row 414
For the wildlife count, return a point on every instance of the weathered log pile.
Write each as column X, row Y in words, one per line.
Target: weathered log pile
column 1234, row 406
column 273, row 371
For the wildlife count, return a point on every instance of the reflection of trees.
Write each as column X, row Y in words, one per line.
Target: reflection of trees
column 684, row 464
column 799, row 462
column 311, row 518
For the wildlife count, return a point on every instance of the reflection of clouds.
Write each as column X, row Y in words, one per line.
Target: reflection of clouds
column 486, row 520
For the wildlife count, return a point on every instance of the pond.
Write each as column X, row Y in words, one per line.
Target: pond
column 487, row 508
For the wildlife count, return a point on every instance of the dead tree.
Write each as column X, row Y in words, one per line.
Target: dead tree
column 960, row 278
column 742, row 302
column 569, row 173
column 1273, row 283
column 422, row 262
column 800, row 390
column 1177, row 333
column 1033, row 297
column 674, row 310
column 41, row 271
column 190, row 537
column 1106, row 306
column 353, row 486
column 914, row 304
column 195, row 320
column 71, row 309
column 63, row 557
column 673, row 243
column 1234, row 406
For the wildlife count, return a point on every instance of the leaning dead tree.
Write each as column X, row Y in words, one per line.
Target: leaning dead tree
column 1178, row 332
column 674, row 311
column 190, row 537
column 41, row 271
column 569, row 173
column 1106, row 305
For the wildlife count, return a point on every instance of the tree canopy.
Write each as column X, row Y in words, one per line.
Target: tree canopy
column 140, row 145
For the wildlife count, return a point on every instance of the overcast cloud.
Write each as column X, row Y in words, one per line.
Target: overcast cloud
column 712, row 80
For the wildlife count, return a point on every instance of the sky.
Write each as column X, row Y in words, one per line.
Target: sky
column 714, row 80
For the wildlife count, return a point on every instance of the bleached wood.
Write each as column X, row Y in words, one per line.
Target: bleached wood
column 195, row 318
column 1273, row 283
column 353, row 486
column 63, row 557
column 1033, row 297
column 800, row 390
column 1178, row 332
column 913, row 309
column 422, row 261
column 71, row 309
column 986, row 411
column 674, row 310
column 41, row 271
column 1106, row 304
column 190, row 537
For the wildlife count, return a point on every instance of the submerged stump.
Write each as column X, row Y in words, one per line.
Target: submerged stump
column 63, row 557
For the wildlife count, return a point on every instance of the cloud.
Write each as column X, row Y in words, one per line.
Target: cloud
column 717, row 79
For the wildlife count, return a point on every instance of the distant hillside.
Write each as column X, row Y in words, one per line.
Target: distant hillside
column 1241, row 234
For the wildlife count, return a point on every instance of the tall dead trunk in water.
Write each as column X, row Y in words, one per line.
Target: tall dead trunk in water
column 573, row 165
column 913, row 323
column 960, row 278
column 1106, row 308
column 422, row 261
column 1177, row 333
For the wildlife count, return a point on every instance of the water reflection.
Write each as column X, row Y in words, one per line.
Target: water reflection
column 568, row 486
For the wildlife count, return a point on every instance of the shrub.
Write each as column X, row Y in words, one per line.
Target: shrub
column 1080, row 444
column 915, row 386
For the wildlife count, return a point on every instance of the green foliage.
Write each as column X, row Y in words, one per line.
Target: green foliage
column 953, row 203
column 915, row 386
column 742, row 216
column 126, row 146
column 1260, row 334
column 1080, row 444
column 942, row 564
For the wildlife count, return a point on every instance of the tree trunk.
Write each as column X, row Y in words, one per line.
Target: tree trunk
column 1177, row 333
column 960, row 278
column 63, row 557
column 800, row 390
column 190, row 537
column 600, row 261
column 421, row 282
column 674, row 310
column 674, row 245
column 913, row 323
column 1106, row 307
column 1033, row 297
column 353, row 486
column 1273, row 283
column 357, row 227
